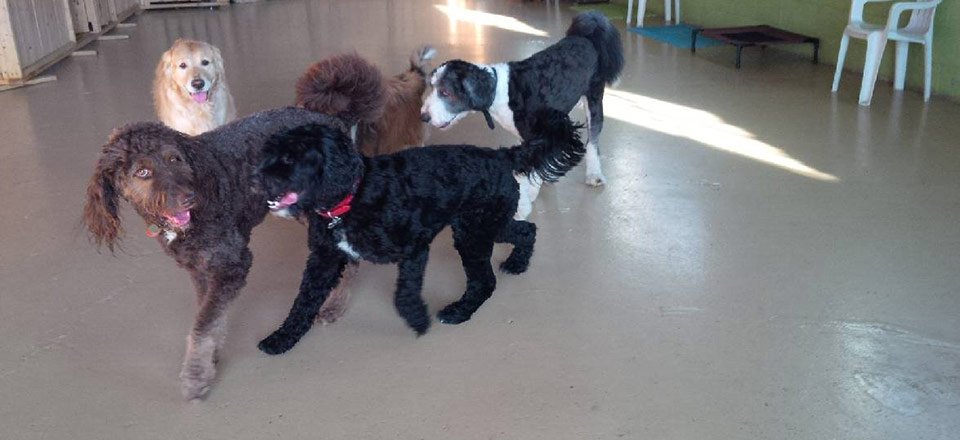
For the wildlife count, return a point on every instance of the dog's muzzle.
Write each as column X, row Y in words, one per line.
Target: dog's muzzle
column 283, row 202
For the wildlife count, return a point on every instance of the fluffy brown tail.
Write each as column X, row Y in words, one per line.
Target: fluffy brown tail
column 343, row 86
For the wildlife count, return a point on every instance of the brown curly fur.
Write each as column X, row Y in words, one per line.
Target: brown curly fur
column 346, row 87
column 214, row 177
column 327, row 87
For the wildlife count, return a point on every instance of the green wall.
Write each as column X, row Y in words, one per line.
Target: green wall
column 826, row 19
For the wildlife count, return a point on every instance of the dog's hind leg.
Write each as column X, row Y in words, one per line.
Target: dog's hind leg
column 594, row 126
column 223, row 281
column 336, row 304
column 408, row 298
column 324, row 267
column 522, row 235
column 474, row 242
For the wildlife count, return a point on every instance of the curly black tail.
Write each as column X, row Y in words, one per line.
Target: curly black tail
column 595, row 27
column 553, row 150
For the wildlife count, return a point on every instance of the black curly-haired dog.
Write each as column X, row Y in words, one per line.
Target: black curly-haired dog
column 201, row 197
column 389, row 208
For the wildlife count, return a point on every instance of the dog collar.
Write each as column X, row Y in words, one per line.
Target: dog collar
column 340, row 209
column 486, row 115
column 333, row 214
column 153, row 231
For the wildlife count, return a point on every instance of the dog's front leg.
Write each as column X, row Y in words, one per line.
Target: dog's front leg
column 324, row 268
column 200, row 283
column 408, row 299
column 223, row 283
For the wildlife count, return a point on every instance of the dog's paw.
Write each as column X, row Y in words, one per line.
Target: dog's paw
column 330, row 316
column 514, row 266
column 596, row 179
column 275, row 344
column 421, row 327
column 195, row 380
column 454, row 314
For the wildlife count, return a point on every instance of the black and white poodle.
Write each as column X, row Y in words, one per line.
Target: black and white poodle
column 200, row 197
column 389, row 208
column 577, row 67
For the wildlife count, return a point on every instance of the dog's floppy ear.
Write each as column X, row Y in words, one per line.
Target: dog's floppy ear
column 217, row 61
column 342, row 168
column 100, row 213
column 480, row 86
column 165, row 66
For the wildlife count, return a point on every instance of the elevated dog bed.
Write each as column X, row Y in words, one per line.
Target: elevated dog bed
column 747, row 36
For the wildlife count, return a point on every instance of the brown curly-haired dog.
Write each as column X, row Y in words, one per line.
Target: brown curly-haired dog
column 201, row 197
column 386, row 111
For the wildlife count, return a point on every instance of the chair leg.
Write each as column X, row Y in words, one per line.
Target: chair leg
column 629, row 11
column 676, row 14
column 875, row 45
column 844, row 43
column 667, row 6
column 900, row 68
column 927, row 68
column 641, row 11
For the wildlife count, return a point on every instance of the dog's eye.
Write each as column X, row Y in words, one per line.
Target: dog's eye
column 205, row 62
column 286, row 160
column 175, row 159
column 443, row 93
column 183, row 65
column 143, row 173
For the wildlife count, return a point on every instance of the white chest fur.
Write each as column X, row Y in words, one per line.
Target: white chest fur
column 500, row 109
column 344, row 246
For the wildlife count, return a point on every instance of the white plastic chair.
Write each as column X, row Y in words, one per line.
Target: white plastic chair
column 918, row 30
column 642, row 8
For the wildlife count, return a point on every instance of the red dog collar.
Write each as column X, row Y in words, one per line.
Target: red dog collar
column 333, row 214
column 340, row 209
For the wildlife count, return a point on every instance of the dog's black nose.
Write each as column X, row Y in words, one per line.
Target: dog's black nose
column 197, row 84
column 187, row 198
column 425, row 117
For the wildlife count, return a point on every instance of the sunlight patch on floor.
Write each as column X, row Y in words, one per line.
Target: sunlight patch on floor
column 703, row 127
column 457, row 12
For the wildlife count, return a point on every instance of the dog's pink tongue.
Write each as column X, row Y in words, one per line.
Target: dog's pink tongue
column 200, row 97
column 180, row 219
column 289, row 199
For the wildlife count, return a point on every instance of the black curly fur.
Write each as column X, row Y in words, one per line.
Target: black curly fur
column 403, row 200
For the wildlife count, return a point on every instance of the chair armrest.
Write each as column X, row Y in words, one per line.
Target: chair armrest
column 856, row 8
column 899, row 8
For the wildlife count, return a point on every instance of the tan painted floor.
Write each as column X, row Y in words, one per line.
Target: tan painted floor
column 768, row 261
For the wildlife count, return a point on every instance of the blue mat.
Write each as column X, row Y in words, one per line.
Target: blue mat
column 679, row 35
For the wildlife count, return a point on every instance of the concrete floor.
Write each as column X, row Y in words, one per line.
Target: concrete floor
column 768, row 260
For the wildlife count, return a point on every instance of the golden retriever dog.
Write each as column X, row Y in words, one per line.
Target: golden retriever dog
column 190, row 91
column 385, row 111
